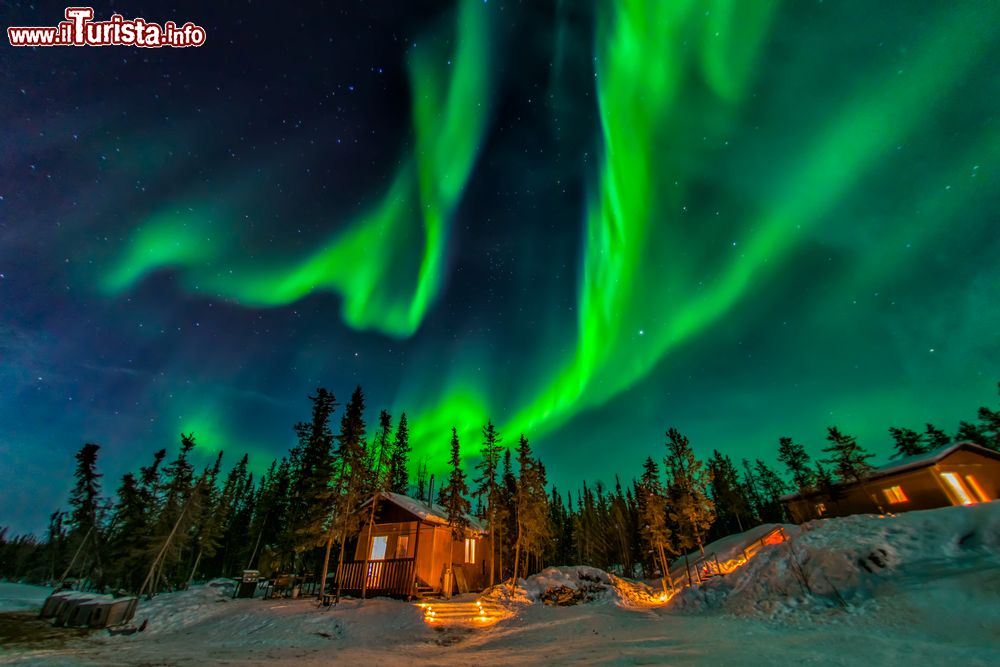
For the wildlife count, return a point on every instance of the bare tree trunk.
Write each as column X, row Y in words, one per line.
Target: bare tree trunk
column 326, row 563
column 368, row 552
column 492, row 544
column 517, row 553
column 194, row 569
column 253, row 555
column 166, row 543
column 76, row 555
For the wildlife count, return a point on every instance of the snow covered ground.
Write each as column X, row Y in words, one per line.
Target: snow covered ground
column 919, row 589
column 21, row 597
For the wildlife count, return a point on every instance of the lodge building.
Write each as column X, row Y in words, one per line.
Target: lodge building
column 962, row 473
column 408, row 549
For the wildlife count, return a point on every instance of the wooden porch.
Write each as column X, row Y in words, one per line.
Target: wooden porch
column 389, row 577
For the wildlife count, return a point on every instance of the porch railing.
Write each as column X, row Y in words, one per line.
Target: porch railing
column 391, row 577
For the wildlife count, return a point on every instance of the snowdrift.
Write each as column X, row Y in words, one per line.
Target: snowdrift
column 846, row 563
column 570, row 585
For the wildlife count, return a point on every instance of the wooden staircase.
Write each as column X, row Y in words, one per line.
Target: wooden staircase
column 425, row 592
column 464, row 613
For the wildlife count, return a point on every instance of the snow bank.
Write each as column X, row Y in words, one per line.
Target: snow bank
column 22, row 597
column 845, row 563
column 209, row 613
column 567, row 585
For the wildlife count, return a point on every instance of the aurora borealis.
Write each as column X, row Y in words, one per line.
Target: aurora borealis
column 585, row 220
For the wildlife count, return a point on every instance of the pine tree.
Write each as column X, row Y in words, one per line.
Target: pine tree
column 531, row 507
column 270, row 548
column 907, row 442
column 206, row 531
column 353, row 476
column 653, row 518
column 935, row 437
column 399, row 461
column 795, row 458
column 506, row 514
column 488, row 486
column 86, row 494
column 454, row 499
column 131, row 521
column 772, row 487
column 826, row 485
column 619, row 525
column 423, row 492
column 732, row 507
column 687, row 492
column 849, row 460
column 171, row 532
column 84, row 520
column 312, row 470
column 752, row 490
column 969, row 432
column 989, row 429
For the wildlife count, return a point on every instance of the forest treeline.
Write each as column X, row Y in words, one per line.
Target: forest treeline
column 169, row 523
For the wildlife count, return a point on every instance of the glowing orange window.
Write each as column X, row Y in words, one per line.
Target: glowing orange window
column 957, row 488
column 978, row 490
column 895, row 495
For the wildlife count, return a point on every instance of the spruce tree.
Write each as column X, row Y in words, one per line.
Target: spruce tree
column 849, row 460
column 84, row 520
column 454, row 499
column 969, row 432
column 772, row 487
column 488, row 486
column 206, row 531
column 531, row 508
column 794, row 457
column 399, row 461
column 989, row 429
column 752, row 490
column 732, row 507
column 935, row 437
column 353, row 477
column 653, row 519
column 312, row 470
column 423, row 493
column 131, row 521
column 826, row 485
column 687, row 492
column 506, row 514
column 228, row 515
column 170, row 535
column 907, row 442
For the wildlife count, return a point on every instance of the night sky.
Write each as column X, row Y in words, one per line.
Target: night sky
column 587, row 221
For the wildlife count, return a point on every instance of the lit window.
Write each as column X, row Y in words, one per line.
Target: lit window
column 955, row 482
column 895, row 495
column 470, row 550
column 379, row 543
column 820, row 509
column 974, row 485
column 402, row 546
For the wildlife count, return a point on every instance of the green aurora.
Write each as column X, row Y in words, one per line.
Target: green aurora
column 672, row 82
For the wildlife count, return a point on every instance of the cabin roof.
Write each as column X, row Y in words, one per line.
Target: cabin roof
column 429, row 512
column 912, row 463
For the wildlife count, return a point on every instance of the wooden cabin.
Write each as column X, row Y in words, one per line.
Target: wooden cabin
column 962, row 473
column 407, row 550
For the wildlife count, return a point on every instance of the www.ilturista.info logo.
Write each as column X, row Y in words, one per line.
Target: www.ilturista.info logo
column 79, row 29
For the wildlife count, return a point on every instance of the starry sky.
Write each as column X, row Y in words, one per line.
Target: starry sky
column 588, row 221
